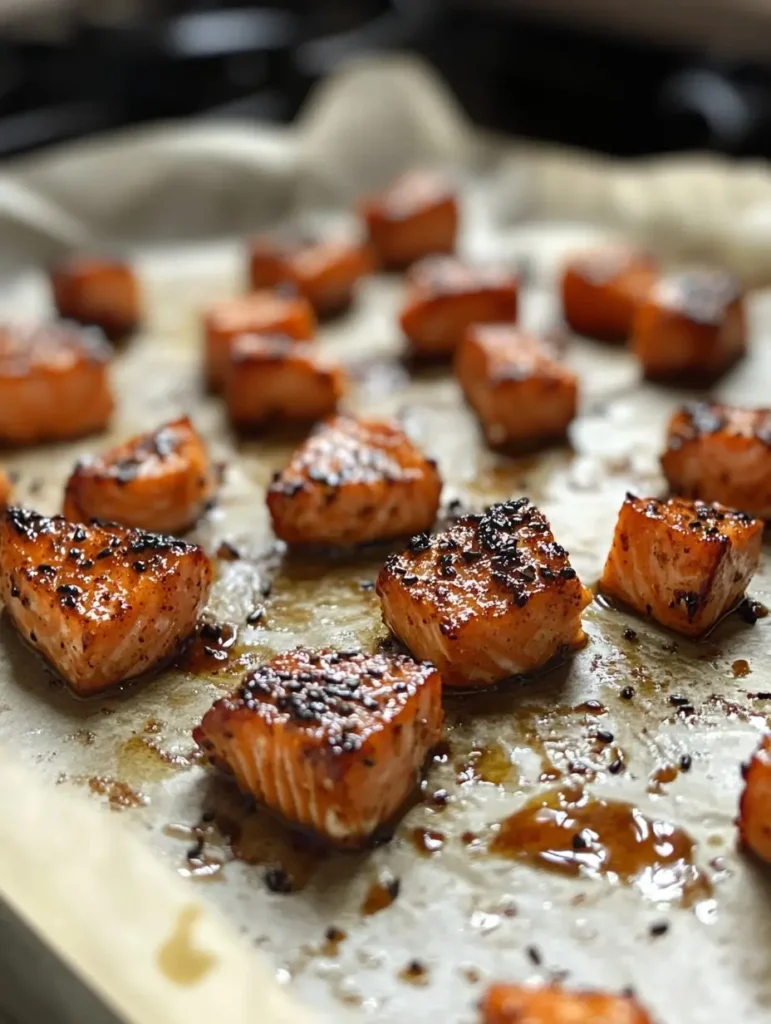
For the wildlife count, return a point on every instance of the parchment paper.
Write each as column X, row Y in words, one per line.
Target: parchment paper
column 180, row 200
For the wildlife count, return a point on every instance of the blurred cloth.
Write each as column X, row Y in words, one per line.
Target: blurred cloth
column 736, row 28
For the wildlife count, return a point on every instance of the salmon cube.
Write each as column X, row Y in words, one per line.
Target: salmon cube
column 519, row 391
column 273, row 378
column 99, row 291
column 602, row 288
column 54, row 383
column 353, row 482
column 684, row 563
column 692, row 327
column 549, row 1004
column 445, row 297
column 161, row 481
column 262, row 312
column 268, row 257
column 103, row 604
column 755, row 804
column 332, row 742
column 416, row 216
column 491, row 597
column 326, row 273
column 721, row 453
column 5, row 489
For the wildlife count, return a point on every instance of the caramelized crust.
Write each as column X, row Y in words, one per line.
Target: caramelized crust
column 5, row 489
column 491, row 597
column 160, row 481
column 549, row 1004
column 326, row 273
column 270, row 378
column 417, row 216
column 683, row 563
column 602, row 289
column 103, row 604
column 260, row 313
column 54, row 383
column 445, row 297
column 331, row 742
column 692, row 326
column 721, row 453
column 755, row 804
column 353, row 482
column 515, row 385
column 98, row 291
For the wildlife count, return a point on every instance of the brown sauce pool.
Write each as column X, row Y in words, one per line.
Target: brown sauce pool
column 567, row 831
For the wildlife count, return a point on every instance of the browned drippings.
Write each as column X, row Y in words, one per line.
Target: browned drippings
column 568, row 831
column 661, row 777
column 255, row 837
column 333, row 940
column 212, row 651
column 741, row 668
column 380, row 895
column 119, row 794
column 141, row 759
column 427, row 841
column 416, row 973
column 179, row 958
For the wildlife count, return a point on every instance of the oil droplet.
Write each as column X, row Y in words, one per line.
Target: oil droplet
column 380, row 895
column 741, row 668
column 427, row 841
column 179, row 959
column 567, row 831
column 489, row 764
column 661, row 777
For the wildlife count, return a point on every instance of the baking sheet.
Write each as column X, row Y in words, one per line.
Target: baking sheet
column 464, row 915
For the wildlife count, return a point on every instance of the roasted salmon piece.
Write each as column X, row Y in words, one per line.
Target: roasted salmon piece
column 5, row 489
column 263, row 312
column 692, row 327
column 54, row 383
column 603, row 287
column 493, row 596
column 99, row 291
column 325, row 272
column 755, row 804
column 721, row 453
column 445, row 297
column 102, row 603
column 684, row 563
column 516, row 386
column 273, row 378
column 550, row 1004
column 161, row 481
column 332, row 742
column 352, row 482
column 416, row 216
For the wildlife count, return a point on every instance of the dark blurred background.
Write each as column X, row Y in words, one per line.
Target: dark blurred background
column 662, row 76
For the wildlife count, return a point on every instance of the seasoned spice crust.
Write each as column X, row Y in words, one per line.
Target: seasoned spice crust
column 708, row 520
column 697, row 419
column 499, row 534
column 344, row 693
column 32, row 526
